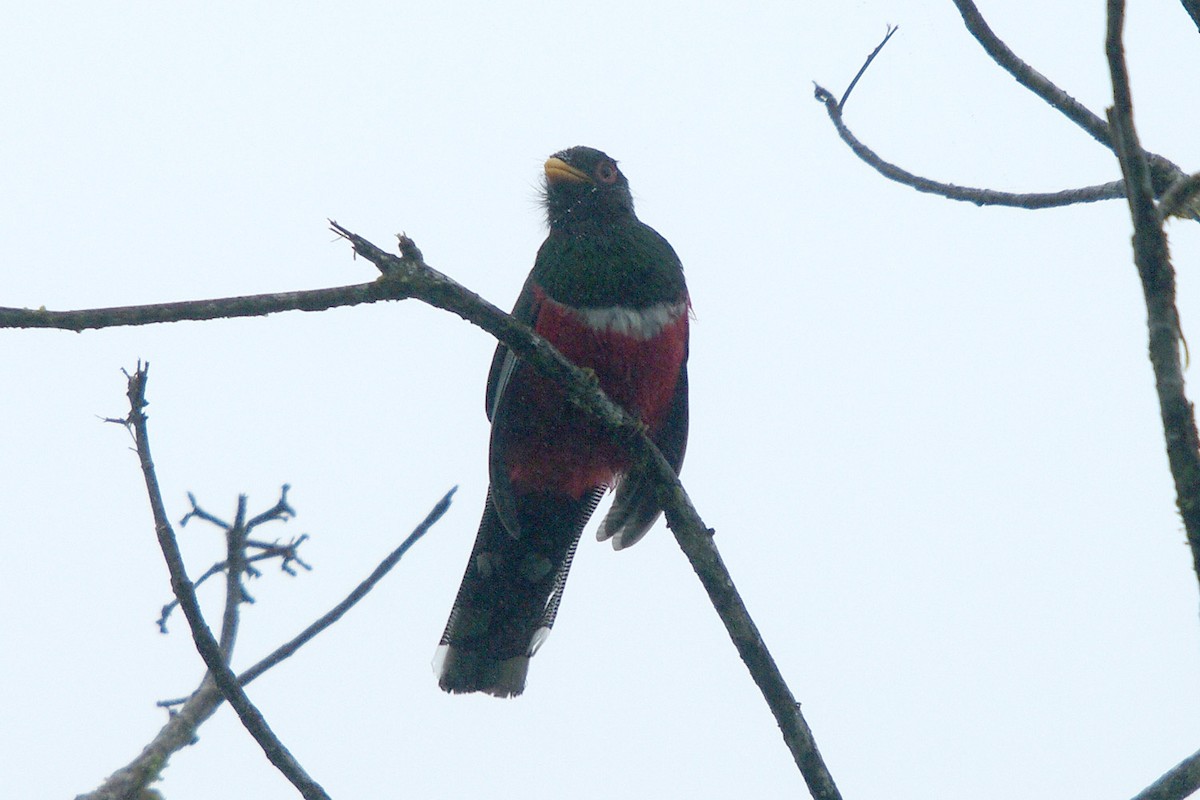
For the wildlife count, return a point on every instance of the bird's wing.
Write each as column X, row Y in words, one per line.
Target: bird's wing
column 504, row 362
column 635, row 509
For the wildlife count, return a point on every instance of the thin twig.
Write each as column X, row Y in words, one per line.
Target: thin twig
column 235, row 557
column 1158, row 286
column 200, row 513
column 980, row 197
column 280, row 512
column 287, row 553
column 841, row 104
column 1177, row 783
column 1180, row 199
column 206, row 645
column 693, row 536
column 336, row 613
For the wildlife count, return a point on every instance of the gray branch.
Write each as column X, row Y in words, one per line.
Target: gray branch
column 206, row 645
column 980, row 197
column 1153, row 261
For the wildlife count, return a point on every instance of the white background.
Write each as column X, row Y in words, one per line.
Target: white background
column 925, row 432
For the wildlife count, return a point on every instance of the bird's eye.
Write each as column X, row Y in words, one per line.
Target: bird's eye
column 606, row 172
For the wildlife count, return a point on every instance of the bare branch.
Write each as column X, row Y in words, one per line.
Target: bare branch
column 338, row 611
column 1030, row 200
column 1163, row 171
column 1180, row 199
column 360, row 591
column 181, row 728
column 288, row 552
column 206, row 645
column 235, row 593
column 281, row 511
column 132, row 780
column 403, row 283
column 1179, row 782
column 1192, row 7
column 841, row 104
column 1157, row 276
column 426, row 284
column 222, row 308
column 1029, row 77
column 980, row 197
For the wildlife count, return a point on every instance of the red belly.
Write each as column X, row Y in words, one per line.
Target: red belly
column 555, row 446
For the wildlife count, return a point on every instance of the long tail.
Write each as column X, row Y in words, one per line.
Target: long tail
column 510, row 593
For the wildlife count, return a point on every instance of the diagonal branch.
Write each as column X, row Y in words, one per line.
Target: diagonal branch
column 693, row 536
column 1029, row 77
column 337, row 612
column 207, row 646
column 1177, row 783
column 133, row 779
column 1192, row 7
column 1157, row 276
column 891, row 31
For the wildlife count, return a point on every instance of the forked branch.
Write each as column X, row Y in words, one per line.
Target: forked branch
column 190, row 713
column 1153, row 261
column 206, row 644
column 1165, row 174
column 982, row 197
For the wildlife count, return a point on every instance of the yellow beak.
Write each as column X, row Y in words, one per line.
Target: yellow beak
column 559, row 170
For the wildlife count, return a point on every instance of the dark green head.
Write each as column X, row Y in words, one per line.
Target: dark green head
column 584, row 189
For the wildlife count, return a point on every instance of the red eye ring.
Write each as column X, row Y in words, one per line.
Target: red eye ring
column 606, row 172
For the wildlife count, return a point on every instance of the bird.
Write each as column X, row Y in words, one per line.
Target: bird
column 608, row 292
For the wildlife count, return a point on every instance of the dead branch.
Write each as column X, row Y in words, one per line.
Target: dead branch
column 1180, row 199
column 337, row 612
column 1165, row 173
column 1192, row 7
column 1177, row 783
column 1153, row 261
column 980, row 197
column 220, row 308
column 206, row 645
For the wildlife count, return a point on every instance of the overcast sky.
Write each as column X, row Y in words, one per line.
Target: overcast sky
column 925, row 432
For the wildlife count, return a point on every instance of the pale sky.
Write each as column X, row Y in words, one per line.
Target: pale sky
column 925, row 432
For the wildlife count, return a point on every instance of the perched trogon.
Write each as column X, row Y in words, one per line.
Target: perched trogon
column 608, row 291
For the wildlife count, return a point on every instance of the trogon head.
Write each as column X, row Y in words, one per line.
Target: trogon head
column 585, row 189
